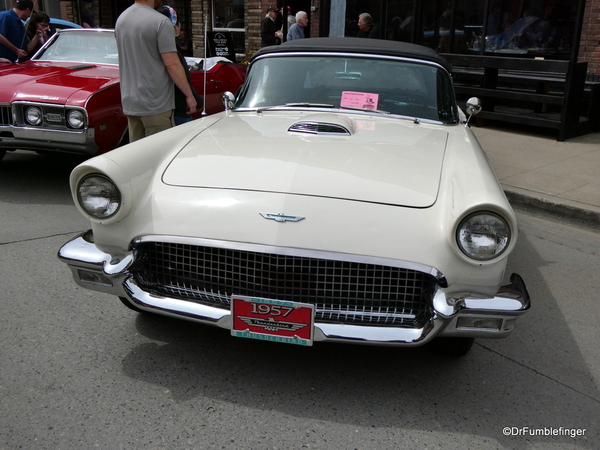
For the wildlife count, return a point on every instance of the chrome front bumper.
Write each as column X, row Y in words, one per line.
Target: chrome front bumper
column 453, row 317
column 29, row 138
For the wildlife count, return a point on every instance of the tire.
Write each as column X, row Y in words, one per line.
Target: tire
column 455, row 347
column 131, row 305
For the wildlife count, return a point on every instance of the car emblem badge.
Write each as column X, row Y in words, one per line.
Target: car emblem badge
column 281, row 217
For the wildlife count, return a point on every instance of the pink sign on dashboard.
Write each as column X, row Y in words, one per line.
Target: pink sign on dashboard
column 359, row 100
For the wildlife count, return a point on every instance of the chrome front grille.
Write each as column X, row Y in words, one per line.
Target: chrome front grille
column 342, row 291
column 54, row 116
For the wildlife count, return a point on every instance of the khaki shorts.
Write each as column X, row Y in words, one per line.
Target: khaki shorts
column 142, row 126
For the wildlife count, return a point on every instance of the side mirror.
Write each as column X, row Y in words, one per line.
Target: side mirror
column 228, row 100
column 473, row 107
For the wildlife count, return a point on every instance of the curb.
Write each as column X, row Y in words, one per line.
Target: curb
column 574, row 214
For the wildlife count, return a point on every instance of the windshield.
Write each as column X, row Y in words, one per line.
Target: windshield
column 81, row 46
column 361, row 83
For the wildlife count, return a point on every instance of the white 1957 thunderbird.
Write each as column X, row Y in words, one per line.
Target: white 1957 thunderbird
column 340, row 197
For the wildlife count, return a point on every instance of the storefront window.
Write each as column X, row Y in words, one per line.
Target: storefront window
column 228, row 15
column 544, row 27
column 507, row 26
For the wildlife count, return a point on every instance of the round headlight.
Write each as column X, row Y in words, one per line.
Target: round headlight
column 33, row 115
column 98, row 196
column 483, row 236
column 76, row 118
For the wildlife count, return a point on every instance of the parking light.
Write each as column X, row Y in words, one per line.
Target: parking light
column 478, row 322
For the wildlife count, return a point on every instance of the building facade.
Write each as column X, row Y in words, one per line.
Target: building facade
column 561, row 29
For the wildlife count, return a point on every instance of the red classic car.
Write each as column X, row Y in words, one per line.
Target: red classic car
column 67, row 98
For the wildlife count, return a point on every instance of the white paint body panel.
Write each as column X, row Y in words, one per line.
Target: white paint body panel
column 384, row 160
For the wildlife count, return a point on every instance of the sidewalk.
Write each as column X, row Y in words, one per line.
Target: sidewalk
column 538, row 173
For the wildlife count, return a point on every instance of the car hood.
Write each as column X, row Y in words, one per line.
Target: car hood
column 63, row 82
column 380, row 160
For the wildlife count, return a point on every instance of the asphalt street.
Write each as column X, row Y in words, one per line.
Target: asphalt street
column 79, row 370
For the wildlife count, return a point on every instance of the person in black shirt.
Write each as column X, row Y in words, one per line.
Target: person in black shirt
column 365, row 25
column 269, row 29
column 184, row 43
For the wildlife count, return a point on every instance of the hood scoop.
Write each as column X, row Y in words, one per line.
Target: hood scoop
column 321, row 128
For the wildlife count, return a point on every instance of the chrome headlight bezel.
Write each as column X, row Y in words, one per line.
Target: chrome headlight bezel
column 33, row 115
column 483, row 236
column 76, row 119
column 98, row 196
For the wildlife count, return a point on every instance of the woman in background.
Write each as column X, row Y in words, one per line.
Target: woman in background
column 38, row 28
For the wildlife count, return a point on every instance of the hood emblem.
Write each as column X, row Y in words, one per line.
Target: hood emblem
column 281, row 217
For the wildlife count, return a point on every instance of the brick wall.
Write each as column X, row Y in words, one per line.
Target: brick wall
column 66, row 11
column 313, row 16
column 254, row 13
column 103, row 16
column 589, row 47
column 199, row 9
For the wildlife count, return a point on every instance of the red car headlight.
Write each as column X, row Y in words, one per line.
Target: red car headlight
column 76, row 118
column 34, row 115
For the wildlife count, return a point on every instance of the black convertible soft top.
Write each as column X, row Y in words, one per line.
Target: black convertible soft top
column 357, row 45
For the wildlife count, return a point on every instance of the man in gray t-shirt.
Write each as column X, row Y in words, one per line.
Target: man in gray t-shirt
column 148, row 66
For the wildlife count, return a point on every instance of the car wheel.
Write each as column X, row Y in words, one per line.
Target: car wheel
column 452, row 346
column 131, row 305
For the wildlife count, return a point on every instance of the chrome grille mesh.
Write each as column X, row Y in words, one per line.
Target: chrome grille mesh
column 54, row 116
column 342, row 292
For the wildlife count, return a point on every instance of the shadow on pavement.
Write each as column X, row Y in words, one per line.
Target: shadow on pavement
column 26, row 177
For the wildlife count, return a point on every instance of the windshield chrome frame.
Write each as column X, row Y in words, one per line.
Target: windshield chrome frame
column 55, row 36
column 262, row 109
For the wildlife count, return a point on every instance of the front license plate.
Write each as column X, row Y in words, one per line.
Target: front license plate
column 272, row 320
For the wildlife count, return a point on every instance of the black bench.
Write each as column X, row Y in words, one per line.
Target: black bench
column 537, row 92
